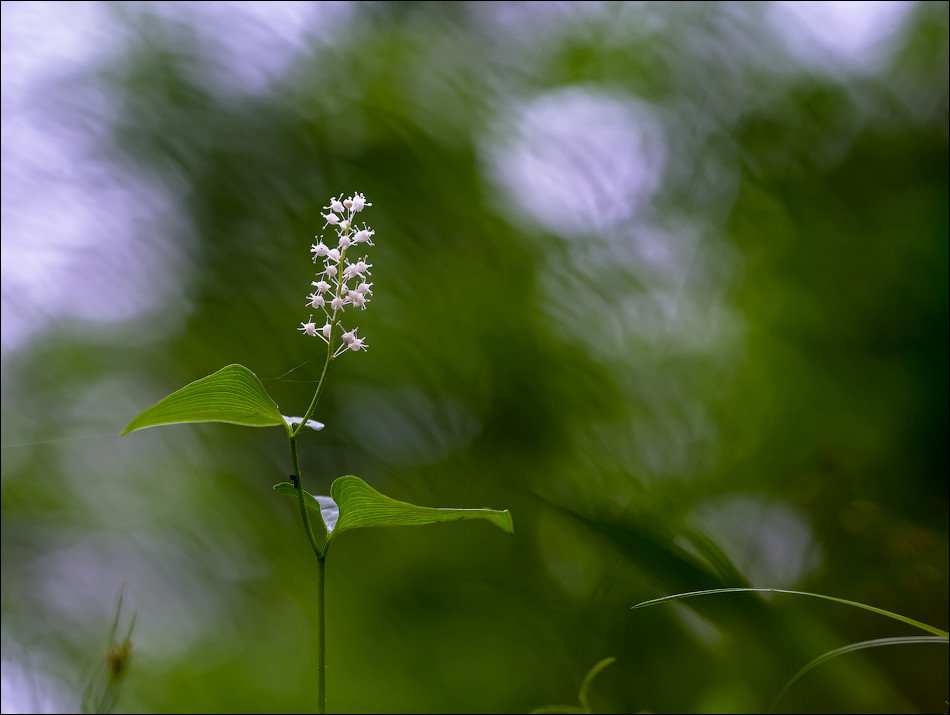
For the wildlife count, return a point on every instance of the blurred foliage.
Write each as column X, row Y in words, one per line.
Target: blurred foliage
column 737, row 377
column 103, row 687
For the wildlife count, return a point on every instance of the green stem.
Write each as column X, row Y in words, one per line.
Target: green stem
column 304, row 514
column 319, row 550
column 321, row 637
column 316, row 393
column 321, row 580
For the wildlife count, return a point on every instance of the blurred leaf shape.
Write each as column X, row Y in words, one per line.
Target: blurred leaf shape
column 232, row 394
column 582, row 695
column 880, row 611
column 354, row 504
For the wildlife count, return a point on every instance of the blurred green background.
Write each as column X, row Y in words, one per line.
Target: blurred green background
column 669, row 281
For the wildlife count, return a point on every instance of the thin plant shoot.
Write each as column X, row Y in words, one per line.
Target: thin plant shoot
column 341, row 290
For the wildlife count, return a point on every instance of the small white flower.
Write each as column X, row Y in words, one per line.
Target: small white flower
column 356, row 269
column 348, row 203
column 344, row 243
column 309, row 328
column 349, row 271
column 318, row 249
column 335, row 205
column 337, row 303
column 365, row 288
column 358, row 344
column 350, row 336
column 334, row 255
column 356, row 299
column 330, row 270
column 357, row 202
column 345, row 225
column 331, row 218
column 316, row 300
column 326, row 330
column 321, row 286
column 364, row 236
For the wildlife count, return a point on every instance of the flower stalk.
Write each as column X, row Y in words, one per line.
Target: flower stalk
column 341, row 284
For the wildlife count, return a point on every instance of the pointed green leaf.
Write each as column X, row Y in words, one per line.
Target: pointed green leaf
column 362, row 506
column 232, row 394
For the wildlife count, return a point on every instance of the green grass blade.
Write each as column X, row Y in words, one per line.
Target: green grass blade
column 589, row 678
column 880, row 611
column 362, row 506
column 232, row 394
column 851, row 648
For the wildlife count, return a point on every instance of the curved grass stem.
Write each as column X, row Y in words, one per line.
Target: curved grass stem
column 851, row 648
column 880, row 611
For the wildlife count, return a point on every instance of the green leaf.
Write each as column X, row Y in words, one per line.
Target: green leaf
column 232, row 394
column 851, row 648
column 356, row 505
column 880, row 611
column 362, row 506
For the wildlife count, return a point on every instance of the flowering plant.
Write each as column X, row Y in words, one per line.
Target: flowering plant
column 234, row 394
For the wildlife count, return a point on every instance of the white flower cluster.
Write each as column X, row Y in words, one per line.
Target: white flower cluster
column 342, row 283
